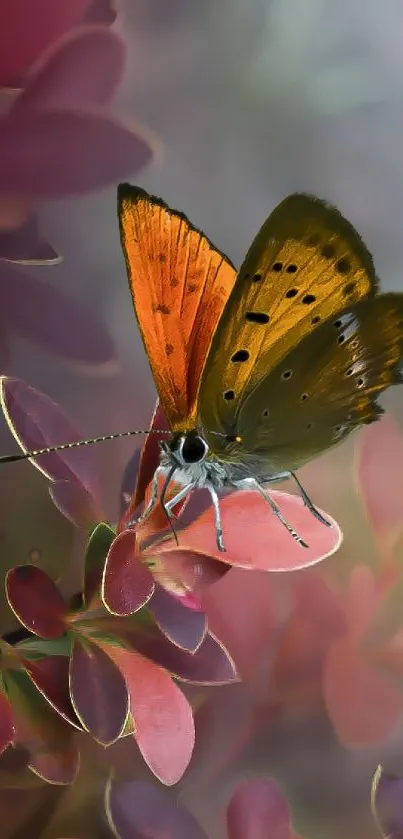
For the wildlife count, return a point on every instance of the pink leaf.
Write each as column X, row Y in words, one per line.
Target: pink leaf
column 26, row 32
column 98, row 692
column 379, row 470
column 137, row 810
column 184, row 627
column 149, row 460
column 258, row 810
column 102, row 11
column 387, row 803
column 75, row 503
column 82, row 69
column 25, row 245
column 36, row 601
column 254, row 538
column 363, row 707
column 51, row 677
column 37, row 422
column 127, row 584
column 7, row 729
column 70, row 152
column 361, row 601
column 163, row 719
column 56, row 323
column 181, row 571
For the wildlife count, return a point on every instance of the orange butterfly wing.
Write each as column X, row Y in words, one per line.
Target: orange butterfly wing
column 179, row 284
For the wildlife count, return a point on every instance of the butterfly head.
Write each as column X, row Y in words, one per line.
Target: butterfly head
column 186, row 448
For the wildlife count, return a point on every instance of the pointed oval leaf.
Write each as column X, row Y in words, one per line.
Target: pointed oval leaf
column 258, row 810
column 7, row 727
column 363, row 706
column 184, row 627
column 102, row 11
column 150, row 455
column 387, row 803
column 82, row 69
column 127, row 584
column 361, row 601
column 138, row 810
column 254, row 538
column 37, row 422
column 55, row 322
column 25, row 245
column 51, row 677
column 76, row 504
column 182, row 572
column 163, row 719
column 98, row 692
column 95, row 149
column 96, row 552
column 36, row 601
column 23, row 39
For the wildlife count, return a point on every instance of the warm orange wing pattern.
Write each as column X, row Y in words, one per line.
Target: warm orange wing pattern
column 179, row 284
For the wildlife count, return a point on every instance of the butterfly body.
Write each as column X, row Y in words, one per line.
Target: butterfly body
column 258, row 371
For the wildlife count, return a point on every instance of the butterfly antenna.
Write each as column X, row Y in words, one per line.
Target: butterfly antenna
column 10, row 458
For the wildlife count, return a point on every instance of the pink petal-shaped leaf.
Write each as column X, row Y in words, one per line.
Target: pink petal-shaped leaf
column 47, row 737
column 36, row 601
column 26, row 34
column 137, row 810
column 258, row 810
column 379, row 471
column 25, row 245
column 361, row 601
column 254, row 538
column 37, row 422
column 56, row 323
column 102, row 11
column 7, row 728
column 387, row 803
column 163, row 719
column 82, row 69
column 96, row 552
column 209, row 665
column 75, row 503
column 182, row 571
column 127, row 583
column 363, row 706
column 51, row 677
column 70, row 152
column 184, row 627
column 98, row 692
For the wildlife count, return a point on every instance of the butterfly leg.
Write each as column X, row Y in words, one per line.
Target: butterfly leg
column 308, row 503
column 252, row 483
column 176, row 499
column 153, row 498
column 217, row 518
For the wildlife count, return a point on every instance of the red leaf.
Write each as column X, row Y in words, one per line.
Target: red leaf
column 254, row 538
column 258, row 810
column 56, row 152
column 127, row 584
column 7, row 728
column 101, row 11
column 36, row 601
column 379, row 470
column 27, row 32
column 387, row 803
column 51, row 677
column 42, row 314
column 137, row 810
column 184, row 627
column 163, row 719
column 363, row 707
column 75, row 503
column 181, row 571
column 37, row 422
column 150, row 455
column 98, row 692
column 82, row 69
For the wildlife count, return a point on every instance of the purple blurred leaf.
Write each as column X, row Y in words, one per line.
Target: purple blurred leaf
column 82, row 69
column 96, row 552
column 258, row 810
column 75, row 503
column 51, row 677
column 36, row 601
column 184, row 627
column 7, row 729
column 137, row 810
column 24, row 37
column 102, row 11
column 70, row 152
column 99, row 693
column 37, row 422
column 42, row 314
column 387, row 803
column 127, row 583
column 26, row 246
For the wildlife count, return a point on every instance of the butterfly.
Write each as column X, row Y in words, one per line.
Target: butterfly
column 261, row 370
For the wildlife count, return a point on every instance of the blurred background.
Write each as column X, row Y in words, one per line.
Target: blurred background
column 240, row 104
